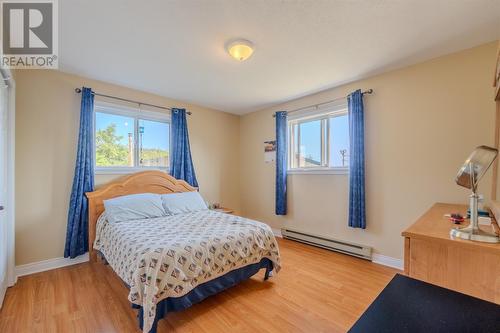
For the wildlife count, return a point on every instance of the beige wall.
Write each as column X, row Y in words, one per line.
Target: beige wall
column 421, row 123
column 47, row 119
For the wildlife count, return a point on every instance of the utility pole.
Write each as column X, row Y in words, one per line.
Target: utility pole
column 343, row 153
column 130, row 150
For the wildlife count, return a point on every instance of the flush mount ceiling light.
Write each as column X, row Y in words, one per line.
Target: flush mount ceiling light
column 240, row 49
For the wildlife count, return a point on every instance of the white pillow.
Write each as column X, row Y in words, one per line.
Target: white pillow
column 134, row 207
column 185, row 202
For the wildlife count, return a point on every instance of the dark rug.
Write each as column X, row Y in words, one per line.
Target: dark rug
column 409, row 305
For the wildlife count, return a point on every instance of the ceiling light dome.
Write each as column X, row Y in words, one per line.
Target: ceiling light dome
column 240, row 49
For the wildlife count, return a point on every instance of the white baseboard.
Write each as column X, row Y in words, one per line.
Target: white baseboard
column 387, row 261
column 46, row 265
column 277, row 232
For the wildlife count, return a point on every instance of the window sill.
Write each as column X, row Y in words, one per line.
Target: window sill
column 124, row 170
column 325, row 171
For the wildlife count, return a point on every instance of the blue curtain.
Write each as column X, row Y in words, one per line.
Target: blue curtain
column 181, row 164
column 83, row 181
column 357, row 213
column 281, row 162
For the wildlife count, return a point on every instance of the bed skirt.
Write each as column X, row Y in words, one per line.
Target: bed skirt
column 205, row 290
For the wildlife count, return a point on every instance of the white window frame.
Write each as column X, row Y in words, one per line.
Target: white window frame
column 137, row 114
column 336, row 109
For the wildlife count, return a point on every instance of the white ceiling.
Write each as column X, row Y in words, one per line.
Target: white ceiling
column 176, row 48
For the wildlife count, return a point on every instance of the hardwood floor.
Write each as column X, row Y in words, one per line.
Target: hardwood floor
column 316, row 291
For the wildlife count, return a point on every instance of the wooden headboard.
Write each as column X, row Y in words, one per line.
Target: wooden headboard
column 143, row 182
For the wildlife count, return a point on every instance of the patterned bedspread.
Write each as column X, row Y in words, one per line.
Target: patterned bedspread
column 169, row 256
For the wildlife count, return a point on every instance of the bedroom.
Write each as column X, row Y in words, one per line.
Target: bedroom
column 333, row 95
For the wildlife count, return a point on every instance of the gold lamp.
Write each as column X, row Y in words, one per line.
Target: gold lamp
column 240, row 49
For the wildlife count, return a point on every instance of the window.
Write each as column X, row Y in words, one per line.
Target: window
column 319, row 142
column 130, row 139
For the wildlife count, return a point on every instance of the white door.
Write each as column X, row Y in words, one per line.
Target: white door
column 4, row 94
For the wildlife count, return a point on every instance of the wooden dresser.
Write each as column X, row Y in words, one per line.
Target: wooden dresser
column 469, row 267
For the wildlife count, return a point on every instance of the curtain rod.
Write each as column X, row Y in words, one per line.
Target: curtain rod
column 78, row 90
column 369, row 91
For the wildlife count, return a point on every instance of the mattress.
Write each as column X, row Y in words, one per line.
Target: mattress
column 169, row 256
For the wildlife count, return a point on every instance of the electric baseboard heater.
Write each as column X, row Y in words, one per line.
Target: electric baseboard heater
column 353, row 249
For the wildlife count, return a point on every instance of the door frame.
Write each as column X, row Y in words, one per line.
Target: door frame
column 7, row 76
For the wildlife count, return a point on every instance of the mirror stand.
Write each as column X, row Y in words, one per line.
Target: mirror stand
column 472, row 231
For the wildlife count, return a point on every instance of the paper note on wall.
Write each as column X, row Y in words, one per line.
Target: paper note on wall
column 269, row 151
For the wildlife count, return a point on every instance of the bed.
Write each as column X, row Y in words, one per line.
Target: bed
column 172, row 262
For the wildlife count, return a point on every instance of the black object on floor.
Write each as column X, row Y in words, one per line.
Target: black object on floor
column 409, row 305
